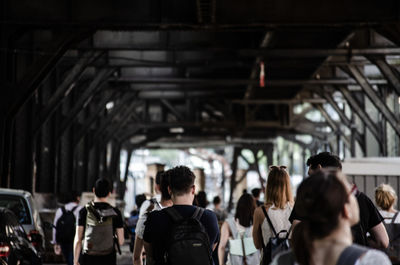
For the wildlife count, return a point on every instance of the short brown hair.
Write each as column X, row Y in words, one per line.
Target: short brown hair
column 279, row 189
column 385, row 196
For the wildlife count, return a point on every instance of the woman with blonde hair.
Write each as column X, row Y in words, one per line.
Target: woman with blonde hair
column 277, row 207
column 386, row 198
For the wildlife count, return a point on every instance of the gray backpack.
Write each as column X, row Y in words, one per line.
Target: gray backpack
column 99, row 231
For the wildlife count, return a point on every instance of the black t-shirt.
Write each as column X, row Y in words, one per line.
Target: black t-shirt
column 369, row 217
column 117, row 221
column 158, row 224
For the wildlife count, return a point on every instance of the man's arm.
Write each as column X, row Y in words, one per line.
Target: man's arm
column 137, row 251
column 149, row 253
column 380, row 238
column 78, row 244
column 120, row 235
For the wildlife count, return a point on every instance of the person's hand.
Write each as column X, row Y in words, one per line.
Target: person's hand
column 76, row 263
column 57, row 249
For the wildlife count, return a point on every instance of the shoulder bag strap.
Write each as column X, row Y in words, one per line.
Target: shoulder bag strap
column 394, row 217
column 174, row 214
column 232, row 226
column 269, row 220
column 351, row 254
column 243, row 249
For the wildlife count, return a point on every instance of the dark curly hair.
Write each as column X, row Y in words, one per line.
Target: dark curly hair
column 325, row 159
column 181, row 180
column 164, row 183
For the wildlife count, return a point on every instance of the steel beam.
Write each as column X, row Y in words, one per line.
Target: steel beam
column 390, row 73
column 354, row 105
column 89, row 122
column 236, row 82
column 84, row 99
column 343, row 117
column 63, row 90
column 375, row 98
column 171, row 108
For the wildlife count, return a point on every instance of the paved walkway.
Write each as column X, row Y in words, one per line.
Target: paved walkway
column 124, row 259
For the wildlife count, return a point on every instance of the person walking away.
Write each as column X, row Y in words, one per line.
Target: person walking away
column 133, row 219
column 370, row 219
column 256, row 194
column 64, row 226
column 100, row 229
column 181, row 234
column 385, row 198
column 329, row 209
column 239, row 229
column 278, row 206
column 163, row 179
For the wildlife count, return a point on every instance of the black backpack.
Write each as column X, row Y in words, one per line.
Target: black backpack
column 65, row 226
column 188, row 242
column 275, row 244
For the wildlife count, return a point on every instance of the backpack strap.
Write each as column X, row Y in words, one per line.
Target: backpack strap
column 73, row 209
column 269, row 220
column 174, row 214
column 351, row 254
column 232, row 226
column 394, row 217
column 198, row 213
column 63, row 210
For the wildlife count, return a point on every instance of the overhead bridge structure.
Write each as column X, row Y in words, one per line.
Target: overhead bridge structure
column 83, row 80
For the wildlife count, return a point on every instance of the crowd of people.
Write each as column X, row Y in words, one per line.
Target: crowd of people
column 329, row 222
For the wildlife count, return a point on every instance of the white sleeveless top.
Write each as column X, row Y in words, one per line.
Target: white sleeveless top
column 279, row 219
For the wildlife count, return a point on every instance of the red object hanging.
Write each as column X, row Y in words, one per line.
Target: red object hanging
column 262, row 75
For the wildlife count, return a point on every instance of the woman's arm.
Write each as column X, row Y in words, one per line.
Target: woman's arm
column 222, row 244
column 258, row 219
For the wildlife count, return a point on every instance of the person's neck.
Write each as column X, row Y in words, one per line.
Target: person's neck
column 166, row 203
column 97, row 199
column 186, row 199
column 392, row 210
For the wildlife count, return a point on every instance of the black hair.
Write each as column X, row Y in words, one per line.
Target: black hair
column 158, row 177
column 325, row 159
column 256, row 192
column 164, row 183
column 216, row 200
column 139, row 200
column 102, row 188
column 181, row 180
column 245, row 209
column 320, row 200
column 202, row 199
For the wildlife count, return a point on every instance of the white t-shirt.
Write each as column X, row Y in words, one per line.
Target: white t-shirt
column 389, row 216
column 279, row 219
column 69, row 206
column 143, row 216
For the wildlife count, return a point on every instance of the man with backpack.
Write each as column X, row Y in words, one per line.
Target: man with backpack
column 181, row 234
column 64, row 227
column 100, row 229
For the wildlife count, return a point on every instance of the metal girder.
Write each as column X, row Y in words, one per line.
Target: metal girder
column 236, row 82
column 89, row 122
column 171, row 108
column 389, row 72
column 343, row 117
column 354, row 105
column 63, row 90
column 84, row 99
column 279, row 101
column 335, row 127
column 375, row 98
column 110, row 117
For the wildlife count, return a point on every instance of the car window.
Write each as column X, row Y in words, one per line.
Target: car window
column 18, row 206
column 13, row 227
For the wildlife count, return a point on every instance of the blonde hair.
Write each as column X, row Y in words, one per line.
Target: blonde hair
column 279, row 189
column 385, row 196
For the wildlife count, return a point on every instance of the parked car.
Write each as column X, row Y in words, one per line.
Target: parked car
column 15, row 247
column 22, row 205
